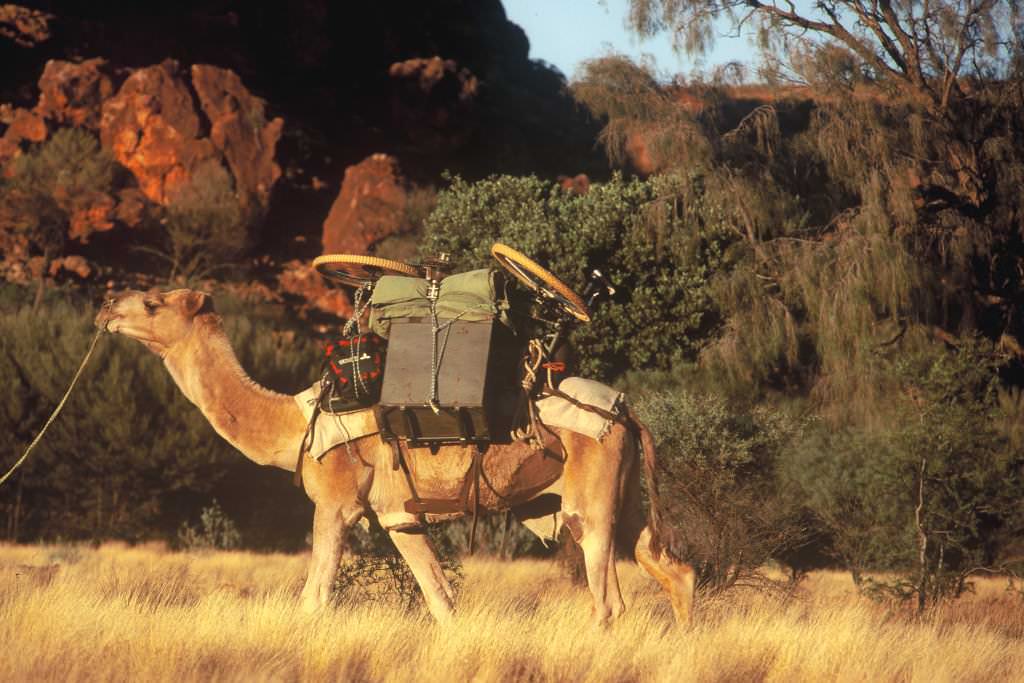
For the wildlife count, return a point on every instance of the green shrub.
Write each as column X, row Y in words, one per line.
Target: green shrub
column 931, row 494
column 216, row 531
column 377, row 573
column 128, row 457
column 659, row 253
column 49, row 182
column 719, row 486
column 205, row 228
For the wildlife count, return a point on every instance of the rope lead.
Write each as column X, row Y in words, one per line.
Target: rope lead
column 56, row 411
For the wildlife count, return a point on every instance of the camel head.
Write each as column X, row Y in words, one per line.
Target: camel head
column 157, row 319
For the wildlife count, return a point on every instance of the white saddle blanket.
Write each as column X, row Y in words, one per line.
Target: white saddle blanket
column 333, row 429
column 555, row 411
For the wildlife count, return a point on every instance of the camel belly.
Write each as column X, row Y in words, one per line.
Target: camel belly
column 445, row 484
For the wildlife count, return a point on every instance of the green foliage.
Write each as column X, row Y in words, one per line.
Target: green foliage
column 718, row 484
column 874, row 223
column 205, row 228
column 934, row 494
column 926, row 49
column 49, row 182
column 216, row 531
column 128, row 448
column 658, row 249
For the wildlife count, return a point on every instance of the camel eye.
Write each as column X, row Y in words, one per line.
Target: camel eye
column 150, row 305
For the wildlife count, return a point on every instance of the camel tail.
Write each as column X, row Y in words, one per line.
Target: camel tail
column 651, row 474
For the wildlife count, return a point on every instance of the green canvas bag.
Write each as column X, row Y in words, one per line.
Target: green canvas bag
column 476, row 296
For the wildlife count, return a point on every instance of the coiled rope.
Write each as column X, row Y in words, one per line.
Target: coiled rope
column 56, row 411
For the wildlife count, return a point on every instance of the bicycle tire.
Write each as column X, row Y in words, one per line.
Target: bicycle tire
column 360, row 270
column 540, row 280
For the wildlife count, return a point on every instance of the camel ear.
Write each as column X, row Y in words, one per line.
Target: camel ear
column 195, row 302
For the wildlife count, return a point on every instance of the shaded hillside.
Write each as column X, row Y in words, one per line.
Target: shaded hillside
column 470, row 101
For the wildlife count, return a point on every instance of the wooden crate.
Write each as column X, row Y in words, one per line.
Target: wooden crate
column 476, row 387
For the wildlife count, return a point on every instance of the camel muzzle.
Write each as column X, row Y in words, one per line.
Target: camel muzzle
column 106, row 314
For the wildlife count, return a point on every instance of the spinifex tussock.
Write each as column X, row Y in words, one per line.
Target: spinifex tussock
column 143, row 613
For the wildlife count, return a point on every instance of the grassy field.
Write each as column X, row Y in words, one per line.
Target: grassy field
column 145, row 614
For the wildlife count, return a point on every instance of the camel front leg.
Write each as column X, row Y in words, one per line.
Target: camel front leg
column 416, row 549
column 329, row 526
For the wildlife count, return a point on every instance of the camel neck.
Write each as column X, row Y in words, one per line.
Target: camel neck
column 264, row 425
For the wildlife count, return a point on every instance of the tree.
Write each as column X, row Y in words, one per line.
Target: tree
column 930, row 49
column 933, row 494
column 877, row 232
column 47, row 187
column 659, row 253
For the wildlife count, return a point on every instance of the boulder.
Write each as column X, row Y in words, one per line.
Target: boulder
column 370, row 207
column 240, row 131
column 153, row 128
column 301, row 279
column 72, row 94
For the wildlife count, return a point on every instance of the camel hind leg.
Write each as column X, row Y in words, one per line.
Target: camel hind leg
column 635, row 536
column 674, row 576
column 592, row 482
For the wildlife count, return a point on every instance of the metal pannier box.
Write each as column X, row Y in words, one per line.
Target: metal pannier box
column 476, row 382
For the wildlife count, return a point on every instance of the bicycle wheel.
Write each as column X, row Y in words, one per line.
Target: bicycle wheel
column 360, row 270
column 540, row 280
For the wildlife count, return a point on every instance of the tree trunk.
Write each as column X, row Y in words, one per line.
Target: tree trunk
column 922, row 543
column 41, row 288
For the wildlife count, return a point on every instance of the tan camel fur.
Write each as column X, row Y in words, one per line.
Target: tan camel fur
column 596, row 494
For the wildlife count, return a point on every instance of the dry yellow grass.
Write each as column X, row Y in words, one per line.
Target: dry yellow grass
column 145, row 614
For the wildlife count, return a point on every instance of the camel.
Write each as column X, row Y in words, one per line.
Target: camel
column 595, row 492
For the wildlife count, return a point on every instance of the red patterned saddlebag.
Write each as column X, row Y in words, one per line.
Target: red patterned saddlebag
column 353, row 372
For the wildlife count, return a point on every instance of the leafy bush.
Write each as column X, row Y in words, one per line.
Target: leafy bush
column 216, row 531
column 658, row 252
column 205, row 228
column 718, row 484
column 51, row 181
column 129, row 456
column 933, row 493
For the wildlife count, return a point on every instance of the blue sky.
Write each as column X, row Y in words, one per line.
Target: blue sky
column 566, row 32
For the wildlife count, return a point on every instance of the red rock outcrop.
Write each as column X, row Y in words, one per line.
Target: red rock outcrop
column 171, row 138
column 22, row 125
column 301, row 279
column 370, row 207
column 577, row 184
column 240, row 131
column 432, row 101
column 71, row 94
column 26, row 27
column 153, row 129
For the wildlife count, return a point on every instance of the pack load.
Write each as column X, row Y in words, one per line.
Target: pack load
column 459, row 368
column 474, row 296
column 453, row 357
column 353, row 373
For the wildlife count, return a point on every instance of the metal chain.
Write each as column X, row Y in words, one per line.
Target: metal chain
column 355, row 349
column 434, row 329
